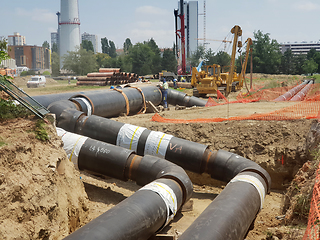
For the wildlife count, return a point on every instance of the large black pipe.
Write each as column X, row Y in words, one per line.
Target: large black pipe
column 192, row 156
column 110, row 103
column 179, row 98
column 230, row 215
column 146, row 211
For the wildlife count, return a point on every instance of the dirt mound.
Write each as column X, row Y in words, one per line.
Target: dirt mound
column 41, row 195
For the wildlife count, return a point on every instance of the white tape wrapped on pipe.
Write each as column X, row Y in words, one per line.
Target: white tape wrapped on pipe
column 72, row 144
column 253, row 181
column 128, row 136
column 87, row 103
column 157, row 143
column 168, row 196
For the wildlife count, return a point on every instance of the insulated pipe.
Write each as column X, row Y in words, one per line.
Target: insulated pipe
column 145, row 212
column 291, row 93
column 192, row 156
column 221, row 165
column 230, row 215
column 175, row 97
column 303, row 92
column 110, row 103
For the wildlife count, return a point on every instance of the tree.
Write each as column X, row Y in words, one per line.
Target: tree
column 45, row 44
column 298, row 62
column 156, row 57
column 288, row 63
column 3, row 49
column 310, row 67
column 55, row 64
column 54, row 48
column 222, row 58
column 87, row 45
column 168, row 61
column 108, row 47
column 80, row 61
column 102, row 60
column 196, row 56
column 266, row 54
column 127, row 45
column 104, row 45
column 141, row 58
column 112, row 50
column 209, row 57
column 314, row 55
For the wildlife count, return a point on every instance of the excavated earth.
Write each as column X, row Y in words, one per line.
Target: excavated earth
column 44, row 197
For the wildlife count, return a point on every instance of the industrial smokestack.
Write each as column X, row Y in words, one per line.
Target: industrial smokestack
column 69, row 27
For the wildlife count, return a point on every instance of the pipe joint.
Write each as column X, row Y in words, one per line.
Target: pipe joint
column 224, row 166
column 84, row 103
column 68, row 119
column 149, row 168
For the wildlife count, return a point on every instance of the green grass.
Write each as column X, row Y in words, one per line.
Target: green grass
column 2, row 142
column 41, row 132
column 316, row 78
column 8, row 110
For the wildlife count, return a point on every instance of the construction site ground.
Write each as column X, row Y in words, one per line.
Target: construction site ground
column 43, row 196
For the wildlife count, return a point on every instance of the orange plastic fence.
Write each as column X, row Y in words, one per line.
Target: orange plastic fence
column 313, row 228
column 307, row 109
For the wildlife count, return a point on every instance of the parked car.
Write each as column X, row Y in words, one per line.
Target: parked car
column 37, row 81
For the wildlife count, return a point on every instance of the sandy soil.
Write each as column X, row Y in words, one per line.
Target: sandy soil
column 30, row 180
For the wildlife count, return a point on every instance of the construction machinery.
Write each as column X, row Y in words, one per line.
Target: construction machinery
column 212, row 78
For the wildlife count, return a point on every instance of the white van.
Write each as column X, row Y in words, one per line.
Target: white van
column 37, row 81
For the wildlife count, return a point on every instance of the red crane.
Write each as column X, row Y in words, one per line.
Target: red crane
column 181, row 34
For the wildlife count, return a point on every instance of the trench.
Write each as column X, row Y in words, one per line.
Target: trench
column 261, row 145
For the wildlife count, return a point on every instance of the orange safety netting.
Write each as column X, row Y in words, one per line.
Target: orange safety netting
column 307, row 109
column 313, row 228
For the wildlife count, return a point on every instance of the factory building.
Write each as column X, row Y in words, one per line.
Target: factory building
column 33, row 57
column 299, row 48
column 191, row 21
column 16, row 40
column 92, row 38
column 69, row 27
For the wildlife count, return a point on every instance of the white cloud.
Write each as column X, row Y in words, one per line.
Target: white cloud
column 38, row 15
column 306, row 6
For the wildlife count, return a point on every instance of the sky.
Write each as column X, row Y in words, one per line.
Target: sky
column 141, row 20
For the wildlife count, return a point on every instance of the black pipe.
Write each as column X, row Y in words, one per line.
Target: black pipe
column 230, row 215
column 189, row 155
column 146, row 211
column 110, row 103
column 119, row 223
column 179, row 98
column 221, row 165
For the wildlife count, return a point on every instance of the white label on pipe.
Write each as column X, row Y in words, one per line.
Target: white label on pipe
column 128, row 136
column 157, row 143
column 168, row 196
column 87, row 103
column 255, row 182
column 72, row 144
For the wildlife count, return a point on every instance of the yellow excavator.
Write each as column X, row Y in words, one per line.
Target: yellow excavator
column 211, row 79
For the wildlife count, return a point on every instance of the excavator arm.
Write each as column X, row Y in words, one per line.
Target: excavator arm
column 237, row 32
column 244, row 64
